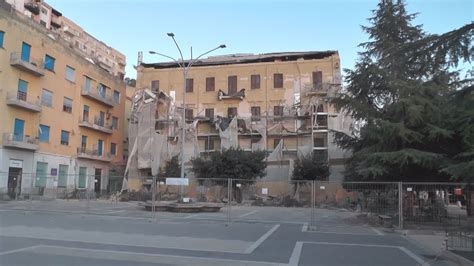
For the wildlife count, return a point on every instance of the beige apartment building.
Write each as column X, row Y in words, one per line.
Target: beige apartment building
column 77, row 38
column 277, row 102
column 61, row 116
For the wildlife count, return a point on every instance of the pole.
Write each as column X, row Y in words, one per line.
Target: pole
column 183, row 131
column 153, row 192
column 400, row 205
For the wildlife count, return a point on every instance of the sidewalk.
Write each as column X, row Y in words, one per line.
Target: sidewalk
column 435, row 243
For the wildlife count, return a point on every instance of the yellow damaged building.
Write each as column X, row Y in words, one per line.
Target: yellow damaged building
column 277, row 102
column 61, row 115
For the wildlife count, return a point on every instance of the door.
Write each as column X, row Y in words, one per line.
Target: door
column 22, row 90
column 85, row 113
column 102, row 119
column 18, row 130
column 87, row 85
column 83, row 143
column 97, row 179
column 25, row 52
column 232, row 85
column 100, row 143
column 62, row 179
column 41, row 172
column 14, row 182
column 82, row 177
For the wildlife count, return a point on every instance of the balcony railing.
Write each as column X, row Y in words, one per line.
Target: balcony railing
column 93, row 154
column 32, row 6
column 319, row 89
column 32, row 66
column 20, row 142
column 93, row 94
column 97, row 124
column 20, row 99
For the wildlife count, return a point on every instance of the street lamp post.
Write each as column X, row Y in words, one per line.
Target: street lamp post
column 185, row 68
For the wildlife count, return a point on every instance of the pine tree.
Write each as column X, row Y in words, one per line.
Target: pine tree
column 400, row 94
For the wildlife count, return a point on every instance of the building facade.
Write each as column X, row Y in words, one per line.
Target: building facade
column 60, row 114
column 279, row 102
column 76, row 37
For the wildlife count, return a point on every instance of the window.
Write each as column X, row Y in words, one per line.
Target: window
column 43, row 23
column 102, row 89
column 64, row 137
column 70, row 72
column 67, row 105
column 209, row 144
column 2, row 35
column 210, row 84
column 276, row 142
column 116, row 96
column 319, row 142
column 22, row 90
column 232, row 112
column 62, row 178
column 210, row 113
column 47, row 98
column 114, row 122
column 25, row 52
column 255, row 110
column 49, row 62
column 43, row 133
column 113, row 148
column 189, row 85
column 189, row 114
column 254, row 82
column 155, row 85
column 18, row 130
column 278, row 80
column 88, row 84
column 278, row 110
column 232, row 85
column 41, row 172
column 82, row 177
column 317, row 79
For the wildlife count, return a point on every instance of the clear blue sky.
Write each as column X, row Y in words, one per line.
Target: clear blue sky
column 245, row 26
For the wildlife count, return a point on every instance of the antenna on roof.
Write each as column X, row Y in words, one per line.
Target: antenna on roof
column 140, row 58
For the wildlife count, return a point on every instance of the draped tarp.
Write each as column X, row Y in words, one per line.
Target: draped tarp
column 229, row 135
column 277, row 153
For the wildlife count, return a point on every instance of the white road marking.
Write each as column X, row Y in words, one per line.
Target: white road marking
column 413, row 256
column 18, row 250
column 257, row 243
column 377, row 231
column 304, row 228
column 247, row 214
column 296, row 254
column 143, row 257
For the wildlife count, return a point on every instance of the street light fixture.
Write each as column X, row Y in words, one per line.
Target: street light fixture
column 185, row 67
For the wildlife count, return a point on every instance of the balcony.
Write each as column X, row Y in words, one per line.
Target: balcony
column 20, row 142
column 97, row 125
column 240, row 95
column 32, row 6
column 19, row 99
column 96, row 96
column 55, row 22
column 34, row 67
column 93, row 154
column 319, row 89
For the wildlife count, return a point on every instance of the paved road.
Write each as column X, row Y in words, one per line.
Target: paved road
column 125, row 235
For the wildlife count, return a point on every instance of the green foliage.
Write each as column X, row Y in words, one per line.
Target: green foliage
column 230, row 163
column 172, row 168
column 402, row 95
column 310, row 168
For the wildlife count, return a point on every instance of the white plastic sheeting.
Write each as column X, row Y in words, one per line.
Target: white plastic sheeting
column 229, row 136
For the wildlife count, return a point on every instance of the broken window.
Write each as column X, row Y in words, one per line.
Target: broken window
column 278, row 80
column 189, row 85
column 254, row 82
column 209, row 144
column 317, row 79
column 232, row 112
column 232, row 85
column 276, row 142
column 278, row 110
column 210, row 84
column 255, row 110
column 189, row 114
column 210, row 113
column 155, row 85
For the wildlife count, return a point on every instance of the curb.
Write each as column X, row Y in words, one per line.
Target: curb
column 457, row 258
